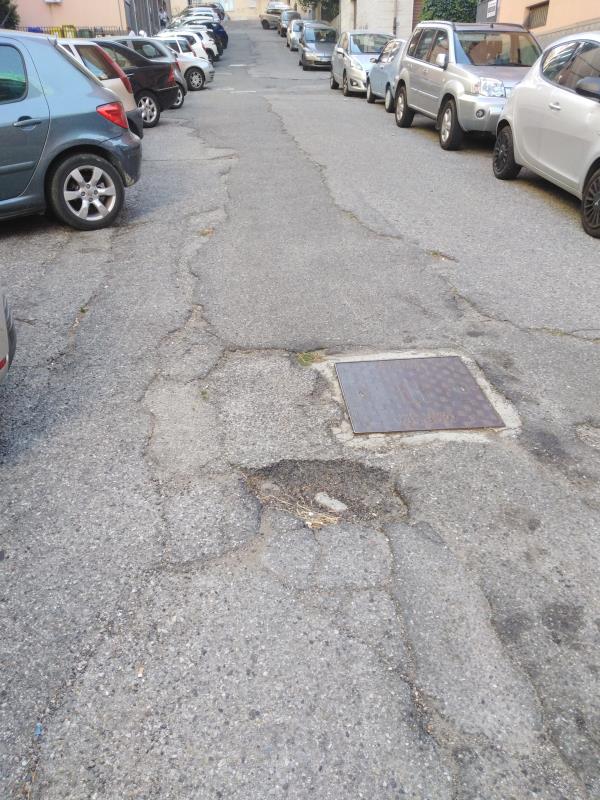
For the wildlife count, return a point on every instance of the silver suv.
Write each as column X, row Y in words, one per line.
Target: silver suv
column 460, row 75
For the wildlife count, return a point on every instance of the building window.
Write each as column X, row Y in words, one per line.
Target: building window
column 537, row 16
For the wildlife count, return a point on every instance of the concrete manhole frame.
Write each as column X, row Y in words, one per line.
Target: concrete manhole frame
column 344, row 433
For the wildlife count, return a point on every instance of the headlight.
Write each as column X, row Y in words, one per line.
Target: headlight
column 489, row 87
column 309, row 54
column 356, row 65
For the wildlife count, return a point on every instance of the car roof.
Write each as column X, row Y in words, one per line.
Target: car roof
column 26, row 36
column 472, row 26
column 592, row 36
column 373, row 33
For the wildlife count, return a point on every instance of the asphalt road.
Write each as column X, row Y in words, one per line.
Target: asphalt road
column 171, row 628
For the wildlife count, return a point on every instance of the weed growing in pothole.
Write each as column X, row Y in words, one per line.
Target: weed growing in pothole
column 308, row 358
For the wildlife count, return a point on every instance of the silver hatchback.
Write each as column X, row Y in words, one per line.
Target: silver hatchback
column 460, row 75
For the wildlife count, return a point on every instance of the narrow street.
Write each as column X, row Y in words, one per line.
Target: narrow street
column 176, row 625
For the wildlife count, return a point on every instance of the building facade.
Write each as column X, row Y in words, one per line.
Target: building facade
column 93, row 14
column 389, row 16
column 547, row 19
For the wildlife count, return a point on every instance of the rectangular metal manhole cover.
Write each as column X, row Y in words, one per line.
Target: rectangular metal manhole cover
column 436, row 393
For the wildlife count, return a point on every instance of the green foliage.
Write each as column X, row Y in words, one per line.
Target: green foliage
column 454, row 10
column 9, row 16
column 329, row 8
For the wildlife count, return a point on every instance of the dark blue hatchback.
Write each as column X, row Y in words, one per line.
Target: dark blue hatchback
column 65, row 143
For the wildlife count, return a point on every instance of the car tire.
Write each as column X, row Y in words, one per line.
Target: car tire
column 388, row 102
column 265, row 25
column 180, row 98
column 370, row 96
column 503, row 160
column 148, row 105
column 287, row 44
column 195, row 79
column 11, row 332
column 451, row 134
column 101, row 184
column 345, row 88
column 333, row 84
column 590, row 205
column 403, row 113
column 305, row 68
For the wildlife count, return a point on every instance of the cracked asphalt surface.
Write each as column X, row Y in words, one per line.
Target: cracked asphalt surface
column 168, row 618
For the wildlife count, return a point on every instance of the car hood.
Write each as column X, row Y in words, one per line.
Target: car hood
column 364, row 59
column 322, row 48
column 509, row 76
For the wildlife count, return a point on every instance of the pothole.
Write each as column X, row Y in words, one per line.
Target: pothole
column 324, row 492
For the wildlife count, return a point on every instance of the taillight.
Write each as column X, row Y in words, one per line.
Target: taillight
column 171, row 78
column 114, row 112
column 3, row 362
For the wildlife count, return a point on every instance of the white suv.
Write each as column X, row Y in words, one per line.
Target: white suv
column 551, row 123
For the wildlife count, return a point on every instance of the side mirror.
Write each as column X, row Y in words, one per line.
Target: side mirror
column 374, row 60
column 588, row 87
column 441, row 60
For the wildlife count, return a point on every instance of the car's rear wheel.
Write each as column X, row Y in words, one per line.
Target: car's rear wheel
column 305, row 67
column 86, row 192
column 333, row 84
column 590, row 205
column 265, row 25
column 180, row 98
column 451, row 134
column 388, row 102
column 370, row 95
column 148, row 105
column 404, row 115
column 195, row 79
column 11, row 332
column 503, row 160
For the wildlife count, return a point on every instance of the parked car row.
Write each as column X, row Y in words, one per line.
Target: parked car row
column 542, row 108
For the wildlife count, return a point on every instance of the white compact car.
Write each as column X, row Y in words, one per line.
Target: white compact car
column 551, row 123
column 200, row 42
column 196, row 71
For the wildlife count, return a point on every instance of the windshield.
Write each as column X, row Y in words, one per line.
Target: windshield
column 362, row 43
column 496, row 48
column 296, row 25
column 320, row 36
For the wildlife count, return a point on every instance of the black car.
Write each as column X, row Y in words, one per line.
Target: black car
column 154, row 86
column 219, row 32
column 157, row 51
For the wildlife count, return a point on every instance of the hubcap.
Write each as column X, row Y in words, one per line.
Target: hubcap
column 591, row 204
column 446, row 124
column 388, row 98
column 89, row 193
column 148, row 109
column 196, row 80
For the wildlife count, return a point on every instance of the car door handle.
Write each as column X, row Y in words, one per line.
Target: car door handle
column 27, row 122
column 554, row 106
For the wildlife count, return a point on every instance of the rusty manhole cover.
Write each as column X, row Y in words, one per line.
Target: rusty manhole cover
column 414, row 394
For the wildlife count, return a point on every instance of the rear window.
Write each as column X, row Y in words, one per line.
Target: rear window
column 496, row 48
column 320, row 36
column 122, row 60
column 13, row 80
column 96, row 61
column 147, row 49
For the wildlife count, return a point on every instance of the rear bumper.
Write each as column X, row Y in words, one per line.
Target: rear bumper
column 166, row 97
column 126, row 154
column 135, row 122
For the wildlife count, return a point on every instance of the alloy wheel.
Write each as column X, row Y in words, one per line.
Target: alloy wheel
column 149, row 109
column 196, row 79
column 89, row 193
column 446, row 126
column 400, row 106
column 591, row 204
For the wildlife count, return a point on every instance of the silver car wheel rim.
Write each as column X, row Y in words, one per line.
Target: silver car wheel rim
column 400, row 106
column 148, row 109
column 446, row 124
column 89, row 193
column 388, row 98
column 196, row 80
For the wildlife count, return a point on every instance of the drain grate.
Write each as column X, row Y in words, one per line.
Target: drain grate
column 436, row 393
